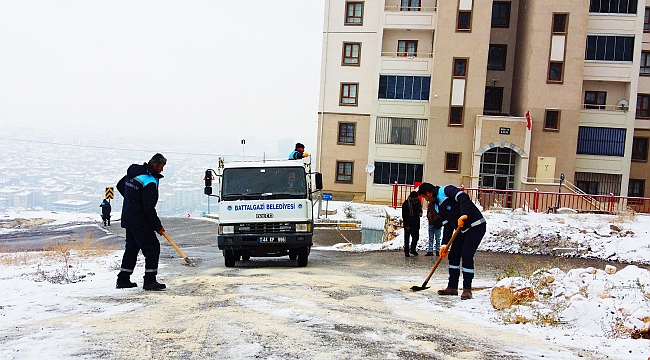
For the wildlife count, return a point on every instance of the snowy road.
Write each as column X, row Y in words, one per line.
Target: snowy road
column 342, row 306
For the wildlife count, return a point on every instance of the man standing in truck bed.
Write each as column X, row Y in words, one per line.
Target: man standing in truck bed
column 140, row 190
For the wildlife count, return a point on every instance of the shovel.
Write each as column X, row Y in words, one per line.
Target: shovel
column 435, row 266
column 187, row 260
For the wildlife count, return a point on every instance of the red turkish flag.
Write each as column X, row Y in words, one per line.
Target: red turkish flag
column 529, row 122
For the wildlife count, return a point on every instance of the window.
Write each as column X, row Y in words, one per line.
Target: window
column 460, row 67
column 501, row 14
column 401, row 131
column 353, row 13
column 351, row 54
column 407, row 48
column 598, row 183
column 636, row 188
column 613, row 6
column 346, row 133
column 609, row 48
column 645, row 63
column 640, row 149
column 464, row 21
column 497, row 57
column 646, row 20
column 588, row 187
column 404, row 87
column 595, row 99
column 344, row 171
column 452, row 162
column 559, row 23
column 349, row 94
column 643, row 106
column 410, row 5
column 493, row 99
column 555, row 71
column 456, row 115
column 389, row 173
column 552, row 120
column 601, row 141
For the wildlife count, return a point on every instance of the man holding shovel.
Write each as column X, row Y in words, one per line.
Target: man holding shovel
column 139, row 217
column 453, row 203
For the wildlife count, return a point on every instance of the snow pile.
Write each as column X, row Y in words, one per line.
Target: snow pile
column 609, row 237
column 600, row 304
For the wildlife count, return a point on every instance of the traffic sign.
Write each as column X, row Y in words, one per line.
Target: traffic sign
column 108, row 194
column 327, row 196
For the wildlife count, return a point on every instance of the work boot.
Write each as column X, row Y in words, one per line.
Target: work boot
column 429, row 253
column 437, row 252
column 448, row 291
column 150, row 283
column 407, row 255
column 124, row 282
column 414, row 253
column 466, row 295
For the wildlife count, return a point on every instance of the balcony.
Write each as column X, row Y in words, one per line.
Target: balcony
column 604, row 115
column 412, row 63
column 420, row 17
column 609, row 71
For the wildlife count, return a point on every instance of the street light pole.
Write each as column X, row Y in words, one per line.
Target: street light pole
column 559, row 191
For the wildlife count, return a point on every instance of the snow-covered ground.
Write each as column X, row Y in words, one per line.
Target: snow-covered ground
column 599, row 309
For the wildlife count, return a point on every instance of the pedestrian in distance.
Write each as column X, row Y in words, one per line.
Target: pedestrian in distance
column 106, row 212
column 411, row 213
column 298, row 152
column 435, row 228
column 452, row 204
column 139, row 187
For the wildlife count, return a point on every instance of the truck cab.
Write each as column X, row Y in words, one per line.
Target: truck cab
column 266, row 209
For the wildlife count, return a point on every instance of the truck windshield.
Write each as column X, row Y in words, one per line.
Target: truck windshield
column 263, row 183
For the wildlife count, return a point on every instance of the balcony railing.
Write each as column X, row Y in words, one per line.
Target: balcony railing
column 409, row 8
column 407, row 55
column 605, row 107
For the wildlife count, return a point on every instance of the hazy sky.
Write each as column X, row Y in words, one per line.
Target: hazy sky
column 185, row 69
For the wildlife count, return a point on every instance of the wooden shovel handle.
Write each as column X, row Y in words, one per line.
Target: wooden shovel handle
column 435, row 266
column 175, row 247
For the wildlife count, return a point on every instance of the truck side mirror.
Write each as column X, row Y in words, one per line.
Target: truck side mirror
column 208, row 182
column 319, row 181
column 208, row 178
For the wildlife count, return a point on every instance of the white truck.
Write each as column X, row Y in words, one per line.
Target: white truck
column 265, row 208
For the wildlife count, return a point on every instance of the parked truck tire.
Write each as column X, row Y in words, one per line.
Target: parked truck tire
column 229, row 258
column 303, row 256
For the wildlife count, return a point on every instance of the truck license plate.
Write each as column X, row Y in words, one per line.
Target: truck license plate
column 279, row 239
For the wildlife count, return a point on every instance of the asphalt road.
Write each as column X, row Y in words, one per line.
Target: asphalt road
column 341, row 306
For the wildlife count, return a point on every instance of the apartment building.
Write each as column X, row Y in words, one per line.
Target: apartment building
column 493, row 94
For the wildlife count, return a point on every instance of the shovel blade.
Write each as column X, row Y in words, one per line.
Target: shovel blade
column 189, row 262
column 419, row 288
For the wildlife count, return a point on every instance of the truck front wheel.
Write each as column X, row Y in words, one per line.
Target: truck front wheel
column 303, row 255
column 229, row 258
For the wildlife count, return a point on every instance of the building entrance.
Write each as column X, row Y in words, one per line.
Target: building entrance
column 498, row 169
column 497, row 172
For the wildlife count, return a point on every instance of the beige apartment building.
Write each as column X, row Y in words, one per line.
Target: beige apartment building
column 439, row 91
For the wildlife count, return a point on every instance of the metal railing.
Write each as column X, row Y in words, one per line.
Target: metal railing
column 409, row 8
column 407, row 55
column 541, row 201
column 605, row 107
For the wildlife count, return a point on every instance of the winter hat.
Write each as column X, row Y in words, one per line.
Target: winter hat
column 413, row 194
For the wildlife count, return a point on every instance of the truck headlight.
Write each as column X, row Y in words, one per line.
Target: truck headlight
column 227, row 229
column 302, row 227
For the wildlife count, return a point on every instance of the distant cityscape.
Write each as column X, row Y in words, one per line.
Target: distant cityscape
column 70, row 173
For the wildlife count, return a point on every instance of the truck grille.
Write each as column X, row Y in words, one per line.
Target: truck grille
column 262, row 228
